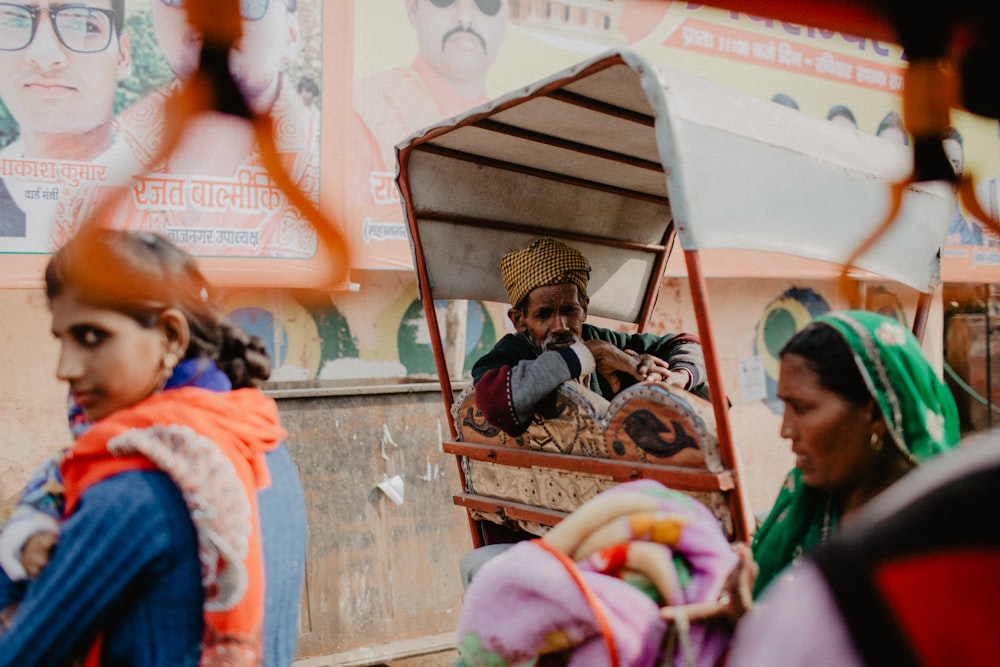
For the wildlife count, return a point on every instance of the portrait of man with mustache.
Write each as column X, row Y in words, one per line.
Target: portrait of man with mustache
column 458, row 43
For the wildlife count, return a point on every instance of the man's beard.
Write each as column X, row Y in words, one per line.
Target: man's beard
column 558, row 341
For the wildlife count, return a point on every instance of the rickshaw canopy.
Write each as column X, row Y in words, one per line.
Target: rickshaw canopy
column 616, row 153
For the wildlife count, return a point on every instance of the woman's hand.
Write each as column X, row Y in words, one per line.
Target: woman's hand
column 738, row 592
column 37, row 551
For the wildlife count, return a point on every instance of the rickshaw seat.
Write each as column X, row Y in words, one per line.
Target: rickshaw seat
column 582, row 444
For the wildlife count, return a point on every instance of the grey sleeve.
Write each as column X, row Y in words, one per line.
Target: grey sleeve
column 534, row 379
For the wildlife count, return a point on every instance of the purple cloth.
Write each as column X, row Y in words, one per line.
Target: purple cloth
column 524, row 602
column 525, row 598
column 781, row 628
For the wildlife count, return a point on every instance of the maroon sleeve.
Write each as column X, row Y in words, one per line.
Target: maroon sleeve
column 495, row 399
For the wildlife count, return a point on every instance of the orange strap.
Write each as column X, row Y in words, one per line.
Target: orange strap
column 931, row 89
column 592, row 601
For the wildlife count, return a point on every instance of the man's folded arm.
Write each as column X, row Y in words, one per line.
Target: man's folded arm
column 508, row 395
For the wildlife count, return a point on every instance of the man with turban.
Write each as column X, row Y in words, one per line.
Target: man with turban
column 547, row 286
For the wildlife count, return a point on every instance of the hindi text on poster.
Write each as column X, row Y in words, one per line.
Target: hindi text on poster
column 765, row 50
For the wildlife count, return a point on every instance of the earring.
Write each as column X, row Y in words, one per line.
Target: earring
column 875, row 442
column 169, row 362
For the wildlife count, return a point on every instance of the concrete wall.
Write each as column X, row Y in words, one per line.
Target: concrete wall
column 379, row 576
column 32, row 402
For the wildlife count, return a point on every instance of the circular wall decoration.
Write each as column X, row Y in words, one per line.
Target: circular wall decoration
column 334, row 333
column 880, row 300
column 260, row 322
column 413, row 339
column 480, row 334
column 781, row 319
column 287, row 329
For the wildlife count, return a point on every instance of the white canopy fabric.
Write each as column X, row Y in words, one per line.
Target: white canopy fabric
column 615, row 154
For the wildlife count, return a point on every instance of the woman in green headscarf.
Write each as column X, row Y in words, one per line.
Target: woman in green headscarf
column 862, row 407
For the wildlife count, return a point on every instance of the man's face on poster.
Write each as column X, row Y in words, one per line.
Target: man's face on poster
column 51, row 88
column 266, row 44
column 459, row 38
column 270, row 33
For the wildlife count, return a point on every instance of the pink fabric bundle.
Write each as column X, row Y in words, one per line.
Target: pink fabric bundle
column 532, row 602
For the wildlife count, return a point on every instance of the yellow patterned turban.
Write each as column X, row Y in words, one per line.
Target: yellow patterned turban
column 544, row 262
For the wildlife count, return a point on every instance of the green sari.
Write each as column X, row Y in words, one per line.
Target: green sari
column 919, row 413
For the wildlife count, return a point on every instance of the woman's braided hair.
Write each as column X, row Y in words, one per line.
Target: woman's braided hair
column 141, row 274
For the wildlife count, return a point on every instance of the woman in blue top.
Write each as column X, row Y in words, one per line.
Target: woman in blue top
column 125, row 584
